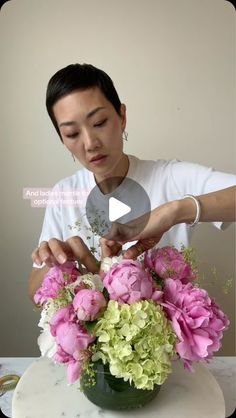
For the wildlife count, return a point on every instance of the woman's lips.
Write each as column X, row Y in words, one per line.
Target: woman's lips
column 98, row 160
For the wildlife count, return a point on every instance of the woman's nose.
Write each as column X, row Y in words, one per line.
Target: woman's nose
column 91, row 141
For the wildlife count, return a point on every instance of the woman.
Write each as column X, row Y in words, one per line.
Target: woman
column 90, row 120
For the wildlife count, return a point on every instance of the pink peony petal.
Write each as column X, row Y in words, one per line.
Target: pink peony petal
column 73, row 371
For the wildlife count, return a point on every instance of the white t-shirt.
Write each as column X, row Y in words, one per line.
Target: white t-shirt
column 163, row 181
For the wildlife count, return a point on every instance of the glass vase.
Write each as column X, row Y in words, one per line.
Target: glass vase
column 114, row 393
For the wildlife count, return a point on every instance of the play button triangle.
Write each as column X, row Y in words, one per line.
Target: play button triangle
column 117, row 209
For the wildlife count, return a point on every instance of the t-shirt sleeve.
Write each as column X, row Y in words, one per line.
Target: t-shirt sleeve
column 195, row 179
column 51, row 225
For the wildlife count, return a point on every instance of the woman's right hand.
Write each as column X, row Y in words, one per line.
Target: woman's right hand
column 109, row 248
column 54, row 252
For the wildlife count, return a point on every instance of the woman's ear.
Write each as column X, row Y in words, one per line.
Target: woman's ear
column 123, row 116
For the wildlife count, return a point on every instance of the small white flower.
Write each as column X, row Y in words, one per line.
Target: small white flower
column 94, row 281
column 108, row 262
column 47, row 344
column 75, row 284
column 46, row 315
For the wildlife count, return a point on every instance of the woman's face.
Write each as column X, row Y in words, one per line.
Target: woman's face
column 92, row 130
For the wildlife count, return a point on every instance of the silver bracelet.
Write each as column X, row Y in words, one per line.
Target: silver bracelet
column 198, row 209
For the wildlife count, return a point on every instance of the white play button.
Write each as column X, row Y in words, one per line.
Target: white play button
column 129, row 201
column 117, row 209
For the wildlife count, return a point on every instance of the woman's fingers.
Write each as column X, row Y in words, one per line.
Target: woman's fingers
column 45, row 254
column 141, row 246
column 35, row 257
column 109, row 248
column 83, row 254
column 55, row 251
column 60, row 251
column 158, row 223
column 122, row 232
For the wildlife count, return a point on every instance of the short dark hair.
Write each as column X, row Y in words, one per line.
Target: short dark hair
column 79, row 77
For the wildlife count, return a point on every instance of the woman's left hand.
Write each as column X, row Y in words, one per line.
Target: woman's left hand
column 215, row 206
column 160, row 220
column 109, row 248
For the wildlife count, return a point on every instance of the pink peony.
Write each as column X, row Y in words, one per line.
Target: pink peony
column 127, row 282
column 89, row 304
column 54, row 280
column 168, row 262
column 70, row 334
column 72, row 341
column 197, row 321
column 74, row 366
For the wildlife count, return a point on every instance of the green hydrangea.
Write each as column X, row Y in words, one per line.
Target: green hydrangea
column 137, row 341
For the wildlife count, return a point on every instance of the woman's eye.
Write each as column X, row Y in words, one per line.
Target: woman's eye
column 74, row 135
column 101, row 123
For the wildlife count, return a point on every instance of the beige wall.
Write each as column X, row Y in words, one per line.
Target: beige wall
column 172, row 62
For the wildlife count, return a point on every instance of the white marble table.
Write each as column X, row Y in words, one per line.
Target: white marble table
column 223, row 368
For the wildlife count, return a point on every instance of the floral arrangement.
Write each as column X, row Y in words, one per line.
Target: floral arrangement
column 135, row 316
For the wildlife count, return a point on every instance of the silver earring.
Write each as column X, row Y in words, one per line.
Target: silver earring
column 72, row 155
column 125, row 136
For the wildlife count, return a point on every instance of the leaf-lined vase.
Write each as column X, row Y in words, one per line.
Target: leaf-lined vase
column 113, row 393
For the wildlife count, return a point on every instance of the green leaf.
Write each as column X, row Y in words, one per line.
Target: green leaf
column 90, row 326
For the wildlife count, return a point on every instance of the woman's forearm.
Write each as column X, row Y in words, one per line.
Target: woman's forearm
column 215, row 206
